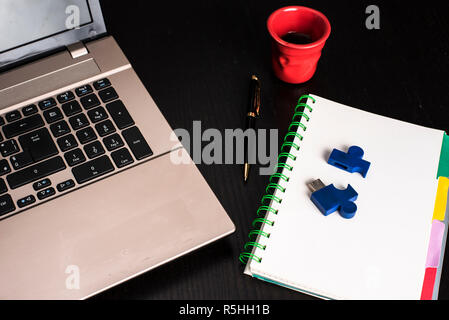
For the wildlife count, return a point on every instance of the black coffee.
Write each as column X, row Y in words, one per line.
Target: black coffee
column 297, row 38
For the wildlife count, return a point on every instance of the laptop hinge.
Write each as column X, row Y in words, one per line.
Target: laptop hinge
column 77, row 49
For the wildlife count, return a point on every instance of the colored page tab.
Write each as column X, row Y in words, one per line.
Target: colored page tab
column 443, row 167
column 429, row 283
column 436, row 242
column 441, row 199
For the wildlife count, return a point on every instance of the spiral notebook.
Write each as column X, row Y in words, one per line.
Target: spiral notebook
column 393, row 248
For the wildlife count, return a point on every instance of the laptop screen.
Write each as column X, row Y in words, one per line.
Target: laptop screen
column 30, row 20
column 33, row 27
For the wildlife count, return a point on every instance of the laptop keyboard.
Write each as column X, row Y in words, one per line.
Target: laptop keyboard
column 93, row 136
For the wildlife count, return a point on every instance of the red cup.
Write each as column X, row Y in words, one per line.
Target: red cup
column 296, row 63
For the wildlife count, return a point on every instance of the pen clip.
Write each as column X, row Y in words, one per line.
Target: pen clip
column 256, row 100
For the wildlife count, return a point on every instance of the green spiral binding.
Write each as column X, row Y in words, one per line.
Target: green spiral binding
column 297, row 124
column 262, row 221
column 289, row 144
column 286, row 155
column 259, row 233
column 254, row 244
column 293, row 134
column 245, row 256
column 277, row 177
column 301, row 115
column 284, row 166
column 270, row 197
column 272, row 186
column 266, row 209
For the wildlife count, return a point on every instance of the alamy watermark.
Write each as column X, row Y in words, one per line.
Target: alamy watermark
column 213, row 146
column 72, row 282
column 372, row 22
column 73, row 19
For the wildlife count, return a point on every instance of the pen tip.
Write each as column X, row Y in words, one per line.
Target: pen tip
column 246, row 172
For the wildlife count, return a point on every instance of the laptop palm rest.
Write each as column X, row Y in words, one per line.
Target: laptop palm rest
column 156, row 212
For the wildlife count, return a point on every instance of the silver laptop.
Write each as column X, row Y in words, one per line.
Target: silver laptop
column 90, row 195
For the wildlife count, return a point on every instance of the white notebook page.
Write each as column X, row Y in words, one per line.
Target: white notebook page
column 381, row 252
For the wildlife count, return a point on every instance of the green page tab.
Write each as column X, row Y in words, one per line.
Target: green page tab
column 443, row 168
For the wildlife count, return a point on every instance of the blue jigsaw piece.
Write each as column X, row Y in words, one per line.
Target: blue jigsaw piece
column 330, row 199
column 351, row 161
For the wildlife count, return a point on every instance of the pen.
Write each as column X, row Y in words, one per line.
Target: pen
column 253, row 113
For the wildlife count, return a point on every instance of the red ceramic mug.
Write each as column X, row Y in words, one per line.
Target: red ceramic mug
column 296, row 63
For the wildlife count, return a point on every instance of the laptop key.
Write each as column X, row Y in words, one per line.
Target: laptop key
column 4, row 167
column 108, row 94
column 21, row 160
column 67, row 142
column 26, row 201
column 119, row 114
column 8, row 148
column 86, row 135
column 48, row 103
column 23, row 126
column 79, row 121
column 39, row 144
column 35, row 172
column 66, row 185
column 44, row 194
column 137, row 143
column 13, row 116
column 113, row 142
column 93, row 169
column 66, row 96
column 82, row 91
column 2, row 121
column 60, row 128
column 122, row 158
column 90, row 101
column 74, row 157
column 53, row 115
column 97, row 114
column 3, row 187
column 6, row 205
column 101, row 84
column 104, row 128
column 29, row 110
column 39, row 185
column 94, row 149
column 71, row 108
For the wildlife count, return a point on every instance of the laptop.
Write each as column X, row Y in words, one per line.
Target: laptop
column 91, row 192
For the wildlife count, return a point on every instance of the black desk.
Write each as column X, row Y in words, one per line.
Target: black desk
column 195, row 58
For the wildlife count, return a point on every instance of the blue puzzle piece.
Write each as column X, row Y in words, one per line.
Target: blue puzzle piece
column 330, row 199
column 351, row 161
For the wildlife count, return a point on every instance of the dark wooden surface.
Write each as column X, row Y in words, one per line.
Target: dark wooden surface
column 195, row 58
